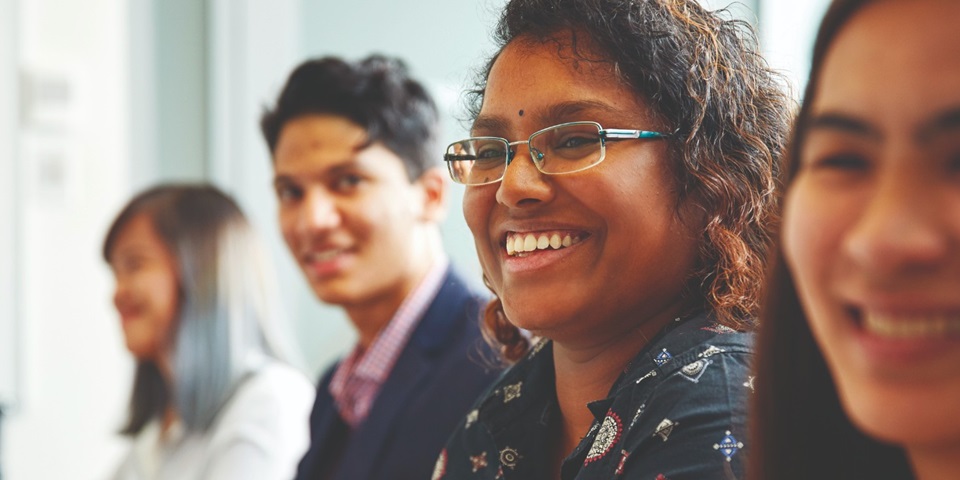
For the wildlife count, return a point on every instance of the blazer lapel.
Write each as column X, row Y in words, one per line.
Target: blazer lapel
column 411, row 371
column 376, row 431
column 325, row 422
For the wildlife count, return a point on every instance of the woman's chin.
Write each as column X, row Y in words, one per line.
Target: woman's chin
column 933, row 418
column 539, row 322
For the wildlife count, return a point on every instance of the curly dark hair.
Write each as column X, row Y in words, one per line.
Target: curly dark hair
column 704, row 76
column 377, row 93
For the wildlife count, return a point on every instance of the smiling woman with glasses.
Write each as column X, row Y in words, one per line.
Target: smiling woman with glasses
column 620, row 186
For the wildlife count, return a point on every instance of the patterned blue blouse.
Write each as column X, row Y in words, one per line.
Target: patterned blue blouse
column 678, row 411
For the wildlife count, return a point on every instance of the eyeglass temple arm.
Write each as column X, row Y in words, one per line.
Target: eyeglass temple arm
column 454, row 157
column 619, row 133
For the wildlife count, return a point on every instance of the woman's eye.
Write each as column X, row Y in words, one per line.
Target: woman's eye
column 577, row 142
column 953, row 162
column 842, row 161
column 490, row 154
column 130, row 264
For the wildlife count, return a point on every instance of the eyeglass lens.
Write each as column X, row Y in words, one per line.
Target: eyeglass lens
column 560, row 149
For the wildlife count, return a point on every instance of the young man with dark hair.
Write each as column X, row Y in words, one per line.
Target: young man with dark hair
column 360, row 199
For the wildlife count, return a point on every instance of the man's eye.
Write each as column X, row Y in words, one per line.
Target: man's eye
column 347, row 181
column 288, row 193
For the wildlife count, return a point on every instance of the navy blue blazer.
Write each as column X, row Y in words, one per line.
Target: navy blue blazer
column 442, row 370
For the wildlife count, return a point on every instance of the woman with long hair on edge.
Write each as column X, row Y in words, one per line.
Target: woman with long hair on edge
column 213, row 397
column 859, row 357
column 620, row 186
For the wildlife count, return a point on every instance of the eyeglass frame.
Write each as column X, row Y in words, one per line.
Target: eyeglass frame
column 614, row 134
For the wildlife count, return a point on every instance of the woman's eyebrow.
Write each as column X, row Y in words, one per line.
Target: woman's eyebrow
column 487, row 124
column 945, row 122
column 843, row 123
column 554, row 114
column 574, row 110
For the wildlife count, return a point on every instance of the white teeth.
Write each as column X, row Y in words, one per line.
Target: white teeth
column 529, row 243
column 907, row 327
column 555, row 241
column 324, row 255
column 519, row 243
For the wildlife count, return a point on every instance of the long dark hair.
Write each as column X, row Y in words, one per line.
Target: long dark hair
column 705, row 78
column 228, row 305
column 799, row 430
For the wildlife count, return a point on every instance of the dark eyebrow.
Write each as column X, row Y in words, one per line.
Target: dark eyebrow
column 281, row 180
column 843, row 123
column 339, row 167
column 944, row 122
column 487, row 125
column 579, row 110
column 574, row 111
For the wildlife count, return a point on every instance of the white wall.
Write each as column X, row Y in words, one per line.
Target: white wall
column 9, row 333
column 73, row 157
column 252, row 46
column 787, row 32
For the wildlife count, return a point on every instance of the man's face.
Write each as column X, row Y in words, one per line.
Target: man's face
column 349, row 213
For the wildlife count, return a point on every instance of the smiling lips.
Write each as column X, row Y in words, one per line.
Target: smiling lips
column 906, row 327
column 518, row 243
column 323, row 255
column 325, row 262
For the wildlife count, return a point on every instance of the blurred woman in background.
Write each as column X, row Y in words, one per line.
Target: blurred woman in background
column 859, row 361
column 212, row 397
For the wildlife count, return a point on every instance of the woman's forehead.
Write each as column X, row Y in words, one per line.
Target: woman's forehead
column 902, row 78
column 547, row 83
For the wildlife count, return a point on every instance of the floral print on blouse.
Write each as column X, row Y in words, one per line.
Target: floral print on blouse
column 678, row 411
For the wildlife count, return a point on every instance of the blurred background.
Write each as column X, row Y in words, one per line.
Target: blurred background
column 102, row 98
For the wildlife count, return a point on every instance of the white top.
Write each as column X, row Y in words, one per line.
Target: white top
column 261, row 434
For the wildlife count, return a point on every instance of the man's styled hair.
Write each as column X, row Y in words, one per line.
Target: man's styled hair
column 376, row 93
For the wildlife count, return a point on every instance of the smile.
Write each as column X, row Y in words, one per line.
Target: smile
column 520, row 243
column 911, row 326
column 323, row 256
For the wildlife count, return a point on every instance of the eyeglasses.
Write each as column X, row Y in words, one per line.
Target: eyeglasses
column 557, row 150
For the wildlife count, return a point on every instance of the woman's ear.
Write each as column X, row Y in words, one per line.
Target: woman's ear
column 433, row 184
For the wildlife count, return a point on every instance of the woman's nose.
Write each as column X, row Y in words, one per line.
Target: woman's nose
column 523, row 185
column 901, row 227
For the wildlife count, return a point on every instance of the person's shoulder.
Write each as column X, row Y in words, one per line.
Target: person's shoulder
column 273, row 385
column 275, row 397
column 279, row 378
column 699, row 350
column 456, row 282
column 703, row 336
